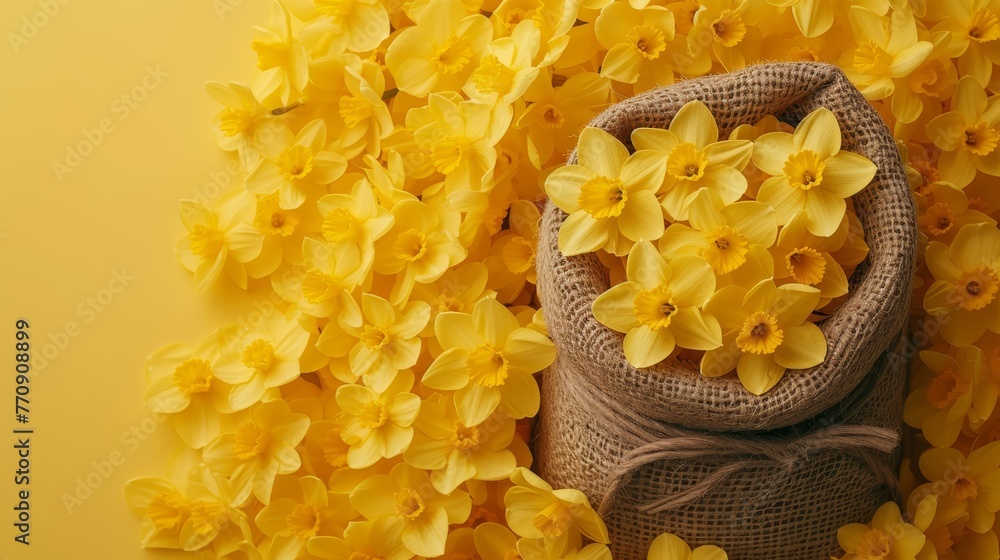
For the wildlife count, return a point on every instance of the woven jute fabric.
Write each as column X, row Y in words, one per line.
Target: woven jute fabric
column 857, row 333
column 776, row 495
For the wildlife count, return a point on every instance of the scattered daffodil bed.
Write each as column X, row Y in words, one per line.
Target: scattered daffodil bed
column 376, row 404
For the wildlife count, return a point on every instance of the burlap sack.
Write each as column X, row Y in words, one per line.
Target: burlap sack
column 779, row 495
column 857, row 333
column 667, row 450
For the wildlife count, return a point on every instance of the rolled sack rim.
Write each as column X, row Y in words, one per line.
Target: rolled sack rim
column 878, row 302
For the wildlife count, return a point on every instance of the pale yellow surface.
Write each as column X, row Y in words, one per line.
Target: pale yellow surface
column 62, row 242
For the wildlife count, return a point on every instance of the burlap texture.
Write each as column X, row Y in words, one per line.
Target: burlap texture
column 778, row 495
column 857, row 333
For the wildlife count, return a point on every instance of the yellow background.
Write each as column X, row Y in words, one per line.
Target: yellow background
column 62, row 241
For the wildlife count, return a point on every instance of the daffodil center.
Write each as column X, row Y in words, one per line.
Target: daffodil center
column 373, row 414
column 492, row 76
column 654, row 308
column 448, row 153
column 964, row 487
column 553, row 520
column 234, row 121
column 410, row 245
column 273, row 220
column 409, row 504
column 938, row 219
column 518, row 254
column 452, row 56
column 806, row 265
column 303, row 522
column 206, row 517
column 602, row 197
column 487, row 366
column 686, row 162
column 977, row 289
column 193, row 376
column 647, row 40
column 464, row 437
column 205, row 241
column 250, row 441
column 259, row 355
column 984, row 26
column 295, row 162
column 334, row 448
column 374, row 337
column 340, row 225
column 551, row 117
column 946, row 388
column 760, row 334
column 354, row 110
column 804, row 169
column 931, row 79
column 270, row 54
column 870, row 58
column 727, row 249
column 728, row 29
column 167, row 511
column 981, row 139
column 318, row 287
column 874, row 545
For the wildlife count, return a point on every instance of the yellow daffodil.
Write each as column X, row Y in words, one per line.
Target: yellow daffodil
column 637, row 42
column 888, row 49
column 354, row 25
column 386, row 341
column 535, row 549
column 296, row 166
column 220, row 238
column 723, row 28
column 557, row 114
column 281, row 58
column 727, row 237
column 181, row 381
column 512, row 255
column 971, row 483
column 974, row 32
column 459, row 137
column 660, row 306
column 968, row 134
column 556, row 519
column 804, row 258
column 440, row 51
column 966, row 281
column 457, row 290
column 283, row 229
column 488, row 360
column 323, row 286
column 188, row 520
column 356, row 220
column 262, row 358
column 361, row 539
column 260, row 449
column 931, row 82
column 495, row 542
column 948, row 391
column 671, row 547
column 766, row 331
column 242, row 124
column 351, row 90
column 610, row 196
column 507, row 66
column 455, row 452
column 555, row 20
column 887, row 536
column 945, row 211
column 378, row 425
column 418, row 248
column 695, row 158
column 304, row 510
column 405, row 501
column 810, row 172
